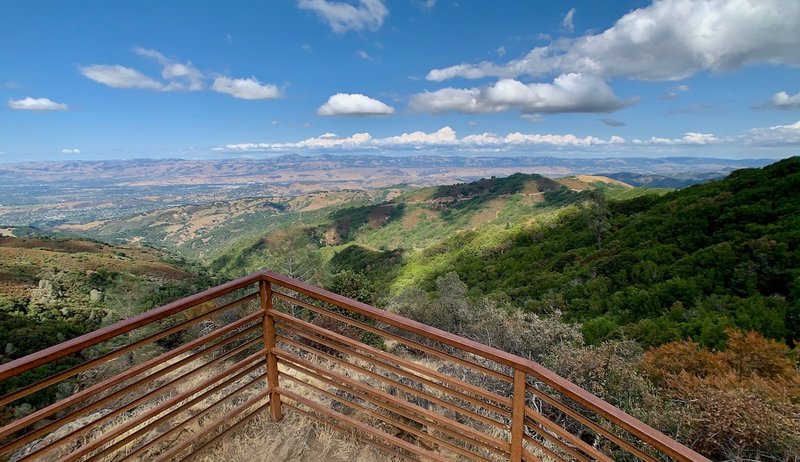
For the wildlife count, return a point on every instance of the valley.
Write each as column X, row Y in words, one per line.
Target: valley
column 624, row 289
column 46, row 194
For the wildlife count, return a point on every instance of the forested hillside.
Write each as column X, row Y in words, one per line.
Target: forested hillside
column 686, row 264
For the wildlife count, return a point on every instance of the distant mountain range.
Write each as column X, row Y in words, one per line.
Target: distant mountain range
column 367, row 168
column 51, row 193
column 675, row 181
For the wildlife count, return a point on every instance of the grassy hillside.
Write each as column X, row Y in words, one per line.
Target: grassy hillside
column 382, row 238
column 200, row 232
column 52, row 289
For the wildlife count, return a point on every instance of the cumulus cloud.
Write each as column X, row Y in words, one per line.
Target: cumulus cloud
column 353, row 105
column 444, row 135
column 249, row 88
column 783, row 100
column 343, row 17
column 779, row 135
column 70, row 151
column 667, row 40
column 36, row 104
column 568, row 93
column 444, row 138
column 117, row 76
column 181, row 76
column 689, row 138
column 568, row 23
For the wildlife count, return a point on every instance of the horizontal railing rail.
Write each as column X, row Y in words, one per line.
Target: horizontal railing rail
column 138, row 389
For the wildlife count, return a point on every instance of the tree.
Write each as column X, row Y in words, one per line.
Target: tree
column 598, row 216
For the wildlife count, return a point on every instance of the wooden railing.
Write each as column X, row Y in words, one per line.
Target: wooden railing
column 172, row 382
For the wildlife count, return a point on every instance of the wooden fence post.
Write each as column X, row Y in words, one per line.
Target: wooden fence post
column 517, row 416
column 265, row 291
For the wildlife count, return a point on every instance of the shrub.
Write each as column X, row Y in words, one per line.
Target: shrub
column 741, row 402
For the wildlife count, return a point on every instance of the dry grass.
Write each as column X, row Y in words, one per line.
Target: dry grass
column 295, row 438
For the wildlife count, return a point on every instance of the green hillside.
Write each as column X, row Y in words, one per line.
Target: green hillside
column 625, row 263
column 384, row 240
column 686, row 264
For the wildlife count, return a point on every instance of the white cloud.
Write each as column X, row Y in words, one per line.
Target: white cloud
column 667, row 40
column 689, row 138
column 36, row 104
column 70, row 151
column 343, row 17
column 176, row 76
column 181, row 76
column 501, row 51
column 567, row 93
column 779, row 135
column 444, row 135
column 354, row 105
column 783, row 100
column 117, row 76
column 568, row 23
column 683, row 87
column 444, row 138
column 249, row 88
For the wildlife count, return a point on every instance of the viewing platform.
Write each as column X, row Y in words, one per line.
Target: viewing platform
column 176, row 382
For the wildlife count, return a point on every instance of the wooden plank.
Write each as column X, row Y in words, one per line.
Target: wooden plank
column 360, row 426
column 174, row 447
column 228, row 430
column 379, row 446
column 567, row 436
column 117, row 379
column 87, row 427
column 386, row 419
column 590, row 424
column 574, row 454
column 408, row 389
column 407, row 342
column 11, row 397
column 527, row 455
column 454, row 428
column 518, row 416
column 154, row 411
column 265, row 291
column 593, row 403
column 34, row 360
column 400, row 362
column 395, row 406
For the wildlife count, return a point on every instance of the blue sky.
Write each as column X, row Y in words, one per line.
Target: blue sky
column 101, row 80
